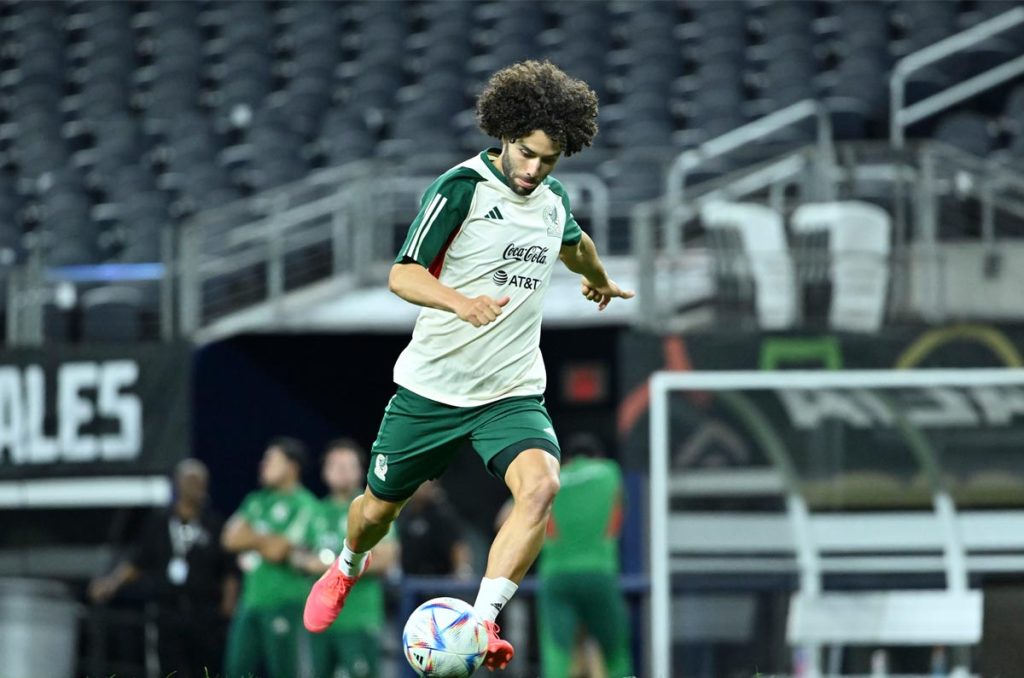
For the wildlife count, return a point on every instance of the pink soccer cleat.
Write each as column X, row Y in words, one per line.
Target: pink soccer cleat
column 327, row 597
column 499, row 652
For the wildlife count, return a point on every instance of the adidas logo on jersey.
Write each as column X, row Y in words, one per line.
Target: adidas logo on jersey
column 495, row 213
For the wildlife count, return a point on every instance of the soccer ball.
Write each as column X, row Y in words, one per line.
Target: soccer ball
column 444, row 638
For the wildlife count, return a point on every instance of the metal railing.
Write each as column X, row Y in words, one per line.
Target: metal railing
column 673, row 277
column 959, row 202
column 901, row 116
column 753, row 132
column 260, row 260
column 255, row 250
column 34, row 290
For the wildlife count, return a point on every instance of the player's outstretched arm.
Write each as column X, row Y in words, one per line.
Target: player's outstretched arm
column 416, row 285
column 596, row 285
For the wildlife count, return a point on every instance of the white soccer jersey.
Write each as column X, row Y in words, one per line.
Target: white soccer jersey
column 478, row 236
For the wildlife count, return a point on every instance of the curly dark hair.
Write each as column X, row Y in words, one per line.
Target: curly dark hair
column 532, row 95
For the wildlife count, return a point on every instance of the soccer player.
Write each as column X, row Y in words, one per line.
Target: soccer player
column 352, row 644
column 579, row 566
column 270, row 521
column 478, row 259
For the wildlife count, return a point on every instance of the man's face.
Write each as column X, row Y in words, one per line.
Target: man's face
column 526, row 161
column 276, row 469
column 191, row 485
column 342, row 470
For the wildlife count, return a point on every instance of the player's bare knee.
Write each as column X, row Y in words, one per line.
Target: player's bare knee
column 379, row 512
column 538, row 494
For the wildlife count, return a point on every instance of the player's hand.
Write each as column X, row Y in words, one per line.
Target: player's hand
column 274, row 548
column 603, row 294
column 102, row 589
column 482, row 310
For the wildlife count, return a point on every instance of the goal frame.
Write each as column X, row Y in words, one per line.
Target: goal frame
column 664, row 383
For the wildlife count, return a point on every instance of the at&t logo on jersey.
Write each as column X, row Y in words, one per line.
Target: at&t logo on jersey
column 501, row 278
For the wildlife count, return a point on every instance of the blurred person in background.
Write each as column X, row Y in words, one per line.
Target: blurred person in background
column 351, row 646
column 579, row 567
column 265, row 632
column 178, row 561
column 432, row 536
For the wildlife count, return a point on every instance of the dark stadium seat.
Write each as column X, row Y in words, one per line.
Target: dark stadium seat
column 276, row 157
column 35, row 156
column 142, row 217
column 187, row 105
column 989, row 54
column 926, row 22
column 306, row 99
column 1012, row 118
column 634, row 180
column 967, row 131
column 128, row 180
column 70, row 247
column 345, row 137
column 244, row 23
column 111, row 314
column 168, row 15
column 789, row 78
column 925, row 82
column 10, row 223
column 864, row 78
column 58, row 324
column 863, row 23
column 850, row 116
column 101, row 96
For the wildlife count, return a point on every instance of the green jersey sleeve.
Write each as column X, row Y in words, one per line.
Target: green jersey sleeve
column 443, row 209
column 572, row 233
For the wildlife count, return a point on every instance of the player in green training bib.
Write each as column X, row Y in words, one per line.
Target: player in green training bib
column 352, row 645
column 478, row 259
column 579, row 566
column 265, row 630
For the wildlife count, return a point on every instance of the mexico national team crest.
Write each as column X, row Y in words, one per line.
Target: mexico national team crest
column 551, row 221
column 381, row 467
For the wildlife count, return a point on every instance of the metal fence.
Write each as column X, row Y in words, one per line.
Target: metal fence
column 254, row 262
column 948, row 210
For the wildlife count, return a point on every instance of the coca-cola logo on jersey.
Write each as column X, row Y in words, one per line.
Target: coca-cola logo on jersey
column 535, row 254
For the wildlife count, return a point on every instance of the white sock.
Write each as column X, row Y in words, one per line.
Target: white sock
column 349, row 562
column 494, row 593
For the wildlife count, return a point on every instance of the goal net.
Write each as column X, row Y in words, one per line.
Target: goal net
column 905, row 482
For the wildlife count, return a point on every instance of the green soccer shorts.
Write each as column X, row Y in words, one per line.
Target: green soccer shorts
column 418, row 438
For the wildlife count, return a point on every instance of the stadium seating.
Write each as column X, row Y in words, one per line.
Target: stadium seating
column 119, row 118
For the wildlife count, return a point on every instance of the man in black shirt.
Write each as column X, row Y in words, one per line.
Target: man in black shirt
column 178, row 562
column 431, row 536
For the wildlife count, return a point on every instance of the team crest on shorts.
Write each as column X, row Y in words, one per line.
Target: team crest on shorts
column 380, row 468
column 551, row 221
